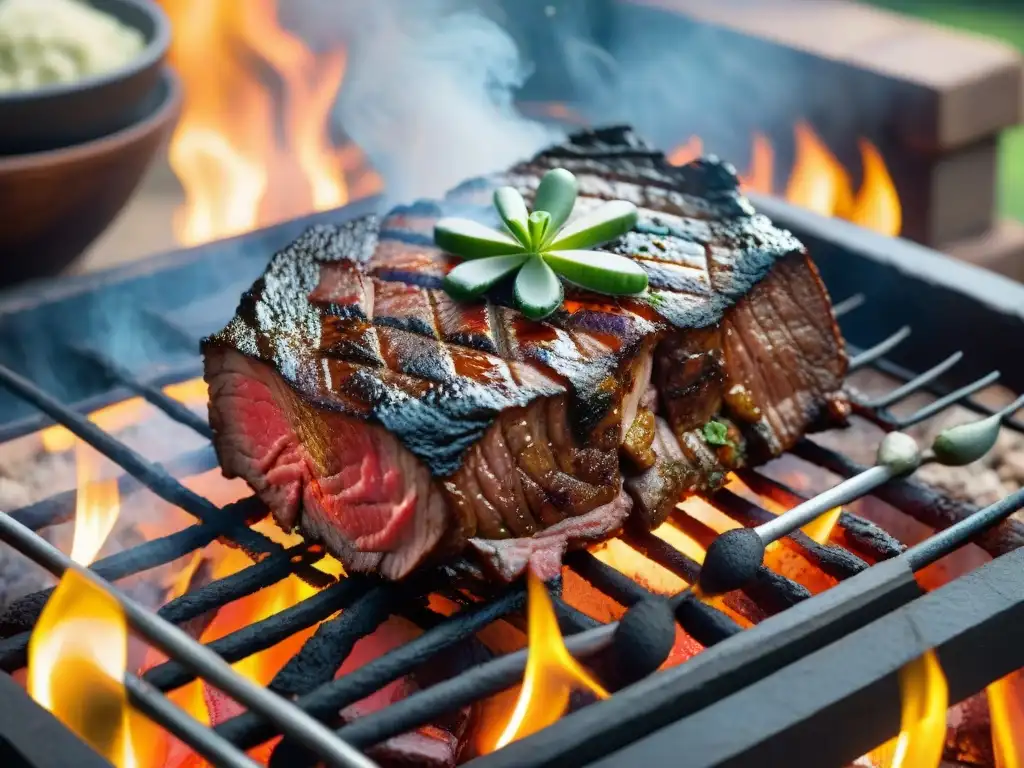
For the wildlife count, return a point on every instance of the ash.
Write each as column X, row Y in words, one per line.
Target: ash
column 28, row 474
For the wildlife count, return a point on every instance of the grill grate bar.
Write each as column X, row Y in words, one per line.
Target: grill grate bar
column 202, row 739
column 178, row 645
column 847, row 305
column 248, row 729
column 920, row 501
column 915, row 384
column 323, row 654
column 23, row 613
column 264, row 634
column 217, row 594
column 945, row 402
column 450, row 695
column 871, row 354
column 117, row 373
column 60, row 508
column 154, row 478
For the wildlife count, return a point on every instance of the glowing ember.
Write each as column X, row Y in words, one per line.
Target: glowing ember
column 924, row 698
column 238, row 173
column 551, row 672
column 818, row 181
column 78, row 651
column 1006, row 708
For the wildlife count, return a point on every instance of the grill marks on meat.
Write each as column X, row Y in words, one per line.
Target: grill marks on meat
column 397, row 425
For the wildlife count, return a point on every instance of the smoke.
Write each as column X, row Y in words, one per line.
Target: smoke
column 431, row 86
column 429, row 91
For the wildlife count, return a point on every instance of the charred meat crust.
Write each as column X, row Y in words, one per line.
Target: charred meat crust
column 516, row 426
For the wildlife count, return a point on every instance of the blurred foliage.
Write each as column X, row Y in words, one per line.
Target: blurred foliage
column 1002, row 19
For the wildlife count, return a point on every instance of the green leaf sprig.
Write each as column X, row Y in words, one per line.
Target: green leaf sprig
column 541, row 248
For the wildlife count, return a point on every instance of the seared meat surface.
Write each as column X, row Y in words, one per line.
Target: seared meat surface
column 398, row 426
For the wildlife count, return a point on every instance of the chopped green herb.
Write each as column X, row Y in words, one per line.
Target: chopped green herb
column 716, row 433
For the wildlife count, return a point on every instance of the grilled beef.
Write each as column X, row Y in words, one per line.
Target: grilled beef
column 398, row 426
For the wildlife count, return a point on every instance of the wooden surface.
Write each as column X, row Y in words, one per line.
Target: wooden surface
column 955, row 87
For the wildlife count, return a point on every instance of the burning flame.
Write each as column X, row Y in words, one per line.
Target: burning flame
column 820, row 528
column 924, row 699
column 1006, row 708
column 125, row 413
column 238, row 172
column 551, row 672
column 204, row 703
column 818, row 180
column 78, row 650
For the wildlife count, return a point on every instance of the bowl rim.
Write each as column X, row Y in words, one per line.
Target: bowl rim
column 155, row 51
column 165, row 109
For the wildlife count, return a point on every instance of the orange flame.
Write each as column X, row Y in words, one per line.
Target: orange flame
column 820, row 528
column 207, row 705
column 123, row 414
column 551, row 672
column 1006, row 707
column 77, row 655
column 236, row 171
column 688, row 152
column 924, row 697
column 818, row 181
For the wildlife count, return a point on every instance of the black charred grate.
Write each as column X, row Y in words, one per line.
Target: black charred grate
column 866, row 597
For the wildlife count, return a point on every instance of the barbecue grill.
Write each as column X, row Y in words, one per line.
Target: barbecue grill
column 810, row 665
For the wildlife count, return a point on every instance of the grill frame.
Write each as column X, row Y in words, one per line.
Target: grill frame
column 889, row 586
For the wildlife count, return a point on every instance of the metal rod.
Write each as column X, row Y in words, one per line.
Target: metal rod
column 881, row 348
column 915, row 384
column 478, row 682
column 946, row 401
column 204, row 740
column 158, row 481
column 154, row 395
column 847, row 491
column 942, row 543
column 848, row 305
column 178, row 645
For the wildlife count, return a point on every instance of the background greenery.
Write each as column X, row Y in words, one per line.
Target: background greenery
column 999, row 18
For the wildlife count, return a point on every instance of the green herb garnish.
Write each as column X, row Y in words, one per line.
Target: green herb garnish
column 716, row 433
column 540, row 248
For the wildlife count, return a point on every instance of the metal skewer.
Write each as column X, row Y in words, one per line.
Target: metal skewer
column 291, row 720
column 734, row 556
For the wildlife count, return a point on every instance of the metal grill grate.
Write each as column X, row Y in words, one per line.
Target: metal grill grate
column 307, row 685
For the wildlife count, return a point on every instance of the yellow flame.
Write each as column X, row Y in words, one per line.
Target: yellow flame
column 551, row 672
column 924, row 697
column 96, row 505
column 820, row 528
column 77, row 659
column 1006, row 708
column 247, row 151
column 77, row 654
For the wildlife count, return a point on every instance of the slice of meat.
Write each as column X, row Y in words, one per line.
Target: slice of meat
column 398, row 426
